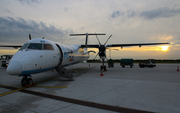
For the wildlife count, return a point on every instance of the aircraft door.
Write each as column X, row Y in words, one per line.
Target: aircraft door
column 61, row 54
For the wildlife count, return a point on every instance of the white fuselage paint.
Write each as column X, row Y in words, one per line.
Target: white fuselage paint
column 30, row 61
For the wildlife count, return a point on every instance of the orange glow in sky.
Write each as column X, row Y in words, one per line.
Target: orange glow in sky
column 164, row 48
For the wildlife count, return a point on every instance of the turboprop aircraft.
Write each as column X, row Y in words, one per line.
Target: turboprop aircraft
column 39, row 55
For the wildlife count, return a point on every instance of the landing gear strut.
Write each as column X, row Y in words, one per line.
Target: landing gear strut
column 103, row 67
column 26, row 81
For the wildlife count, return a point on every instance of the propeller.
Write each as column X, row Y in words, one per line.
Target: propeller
column 102, row 48
column 29, row 36
column 107, row 39
column 96, row 56
column 98, row 40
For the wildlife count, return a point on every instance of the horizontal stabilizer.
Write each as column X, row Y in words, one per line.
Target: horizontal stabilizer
column 87, row 34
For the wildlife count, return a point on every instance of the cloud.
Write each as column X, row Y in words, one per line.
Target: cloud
column 160, row 12
column 30, row 1
column 17, row 30
column 8, row 11
column 115, row 14
column 65, row 9
column 128, row 14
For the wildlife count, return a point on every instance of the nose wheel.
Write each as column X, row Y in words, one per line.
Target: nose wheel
column 26, row 81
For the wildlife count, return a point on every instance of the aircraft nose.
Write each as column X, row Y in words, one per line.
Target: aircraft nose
column 14, row 68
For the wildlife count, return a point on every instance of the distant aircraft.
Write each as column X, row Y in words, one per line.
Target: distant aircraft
column 39, row 55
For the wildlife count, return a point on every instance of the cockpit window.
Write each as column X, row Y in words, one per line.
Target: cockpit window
column 24, row 46
column 37, row 46
column 48, row 47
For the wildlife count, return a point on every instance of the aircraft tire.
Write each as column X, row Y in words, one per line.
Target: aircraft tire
column 30, row 81
column 24, row 82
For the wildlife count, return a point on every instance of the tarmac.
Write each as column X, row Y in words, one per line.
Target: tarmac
column 124, row 90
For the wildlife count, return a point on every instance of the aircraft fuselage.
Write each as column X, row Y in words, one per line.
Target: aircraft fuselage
column 39, row 55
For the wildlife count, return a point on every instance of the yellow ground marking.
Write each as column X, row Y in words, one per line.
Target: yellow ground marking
column 10, row 86
column 26, row 87
column 12, row 91
column 36, row 84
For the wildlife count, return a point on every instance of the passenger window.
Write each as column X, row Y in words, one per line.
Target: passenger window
column 48, row 47
column 35, row 46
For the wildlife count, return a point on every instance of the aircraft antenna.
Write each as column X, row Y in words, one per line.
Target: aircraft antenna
column 29, row 36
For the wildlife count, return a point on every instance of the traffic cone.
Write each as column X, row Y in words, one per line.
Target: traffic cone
column 101, row 73
column 177, row 68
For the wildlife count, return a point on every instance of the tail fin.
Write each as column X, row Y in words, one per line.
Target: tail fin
column 87, row 34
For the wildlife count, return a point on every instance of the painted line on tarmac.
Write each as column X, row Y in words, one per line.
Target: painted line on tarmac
column 83, row 102
column 12, row 91
column 33, row 86
column 3, row 94
column 5, row 86
column 11, row 86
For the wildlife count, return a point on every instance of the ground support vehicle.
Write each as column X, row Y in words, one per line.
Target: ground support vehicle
column 150, row 63
column 5, row 59
column 124, row 62
column 111, row 63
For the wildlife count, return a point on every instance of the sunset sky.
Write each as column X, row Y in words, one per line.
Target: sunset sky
column 130, row 21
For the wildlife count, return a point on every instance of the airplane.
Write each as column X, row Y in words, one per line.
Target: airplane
column 39, row 55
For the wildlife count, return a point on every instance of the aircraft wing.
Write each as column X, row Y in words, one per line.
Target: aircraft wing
column 15, row 46
column 121, row 45
column 142, row 44
column 90, row 46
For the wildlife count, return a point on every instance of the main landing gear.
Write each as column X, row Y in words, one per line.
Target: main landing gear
column 103, row 67
column 26, row 81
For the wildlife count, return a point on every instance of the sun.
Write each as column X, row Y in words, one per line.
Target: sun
column 164, row 48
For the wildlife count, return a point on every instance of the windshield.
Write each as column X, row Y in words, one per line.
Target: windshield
column 24, row 46
column 37, row 46
column 48, row 47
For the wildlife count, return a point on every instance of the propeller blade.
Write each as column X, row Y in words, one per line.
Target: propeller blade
column 29, row 36
column 108, row 39
column 98, row 39
column 96, row 56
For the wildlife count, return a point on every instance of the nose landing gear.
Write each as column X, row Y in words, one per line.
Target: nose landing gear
column 26, row 81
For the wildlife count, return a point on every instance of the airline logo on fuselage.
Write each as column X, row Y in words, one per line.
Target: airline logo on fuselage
column 71, row 58
column 42, row 41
